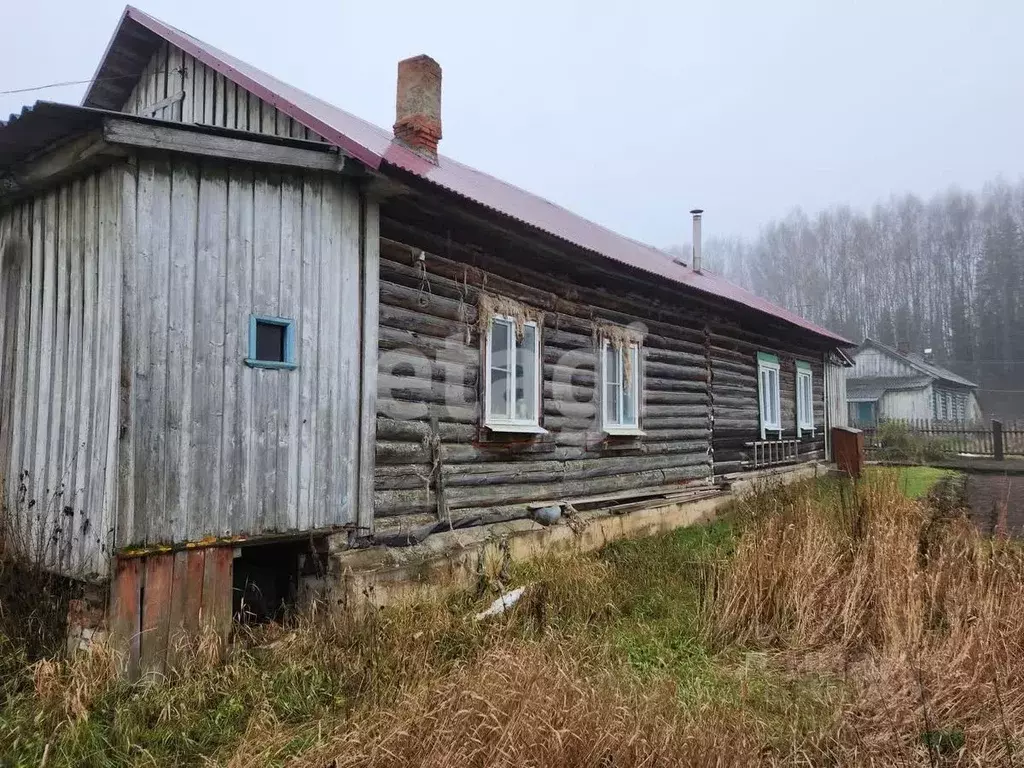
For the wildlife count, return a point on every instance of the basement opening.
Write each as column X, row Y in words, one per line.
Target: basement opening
column 267, row 578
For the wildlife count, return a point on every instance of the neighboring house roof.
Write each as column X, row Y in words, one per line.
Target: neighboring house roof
column 871, row 388
column 918, row 362
column 128, row 52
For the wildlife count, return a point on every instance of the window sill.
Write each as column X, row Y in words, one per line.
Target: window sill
column 624, row 432
column 270, row 364
column 523, row 429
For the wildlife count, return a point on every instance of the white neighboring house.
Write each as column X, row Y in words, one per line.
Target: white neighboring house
column 886, row 383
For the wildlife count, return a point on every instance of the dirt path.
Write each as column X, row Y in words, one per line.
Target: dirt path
column 989, row 495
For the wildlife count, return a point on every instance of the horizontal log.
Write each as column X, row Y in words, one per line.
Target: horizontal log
column 727, row 378
column 582, row 359
column 405, row 364
column 428, row 325
column 555, row 376
column 426, row 303
column 398, row 452
column 678, row 422
column 418, row 431
column 681, row 372
column 695, row 358
column 654, row 435
column 419, row 411
column 672, row 398
column 584, row 411
column 416, row 391
column 449, row 349
column 570, row 470
column 656, row 384
column 421, row 500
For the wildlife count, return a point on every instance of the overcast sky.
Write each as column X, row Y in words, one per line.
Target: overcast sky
column 630, row 113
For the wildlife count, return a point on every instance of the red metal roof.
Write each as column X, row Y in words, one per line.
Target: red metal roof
column 376, row 148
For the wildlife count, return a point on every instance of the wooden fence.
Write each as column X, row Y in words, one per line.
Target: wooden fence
column 996, row 439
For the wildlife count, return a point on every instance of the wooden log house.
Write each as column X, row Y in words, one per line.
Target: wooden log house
column 234, row 314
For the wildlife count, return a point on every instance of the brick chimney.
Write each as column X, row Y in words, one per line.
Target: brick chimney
column 418, row 105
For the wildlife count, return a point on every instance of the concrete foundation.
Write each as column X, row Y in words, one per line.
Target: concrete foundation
column 460, row 559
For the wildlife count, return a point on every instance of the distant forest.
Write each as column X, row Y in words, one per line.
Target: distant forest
column 945, row 273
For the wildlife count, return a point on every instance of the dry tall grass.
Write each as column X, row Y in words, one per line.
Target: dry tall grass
column 842, row 627
column 921, row 615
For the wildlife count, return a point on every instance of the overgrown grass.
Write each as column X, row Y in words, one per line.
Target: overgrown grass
column 820, row 624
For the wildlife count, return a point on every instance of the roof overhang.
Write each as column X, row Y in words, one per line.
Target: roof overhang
column 53, row 141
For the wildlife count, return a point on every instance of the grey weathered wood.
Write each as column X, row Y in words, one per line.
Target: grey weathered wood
column 207, row 369
column 144, row 135
column 63, row 161
column 370, row 303
column 178, row 459
column 267, row 450
column 309, row 331
column 56, row 401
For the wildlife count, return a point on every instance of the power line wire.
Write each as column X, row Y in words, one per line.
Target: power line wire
column 75, row 82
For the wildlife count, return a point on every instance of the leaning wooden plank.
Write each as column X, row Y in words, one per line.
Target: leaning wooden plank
column 156, row 613
column 218, row 591
column 195, row 570
column 127, row 132
column 126, row 612
column 177, row 639
column 171, row 102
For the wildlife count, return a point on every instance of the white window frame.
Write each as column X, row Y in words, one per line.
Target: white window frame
column 776, row 425
column 804, row 416
column 621, row 427
column 508, row 422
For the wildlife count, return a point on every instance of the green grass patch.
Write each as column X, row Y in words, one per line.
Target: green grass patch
column 915, row 482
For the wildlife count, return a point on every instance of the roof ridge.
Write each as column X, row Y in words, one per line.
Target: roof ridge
column 375, row 146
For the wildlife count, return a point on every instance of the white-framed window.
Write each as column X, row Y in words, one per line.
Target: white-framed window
column 512, row 381
column 768, row 393
column 620, row 387
column 804, row 398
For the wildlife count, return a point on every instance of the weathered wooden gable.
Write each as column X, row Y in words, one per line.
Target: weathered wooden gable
column 870, row 362
column 176, row 86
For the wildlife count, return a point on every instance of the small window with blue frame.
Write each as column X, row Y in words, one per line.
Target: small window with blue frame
column 271, row 342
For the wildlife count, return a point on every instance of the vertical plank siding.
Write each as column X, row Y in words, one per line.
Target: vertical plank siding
column 218, row 448
column 60, row 285
column 209, row 98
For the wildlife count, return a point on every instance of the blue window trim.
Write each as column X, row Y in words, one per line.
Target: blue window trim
column 289, row 363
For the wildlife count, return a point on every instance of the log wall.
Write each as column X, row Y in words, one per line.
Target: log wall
column 429, row 384
column 734, row 343
column 699, row 376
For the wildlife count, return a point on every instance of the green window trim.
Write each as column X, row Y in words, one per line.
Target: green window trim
column 803, row 365
column 767, row 357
